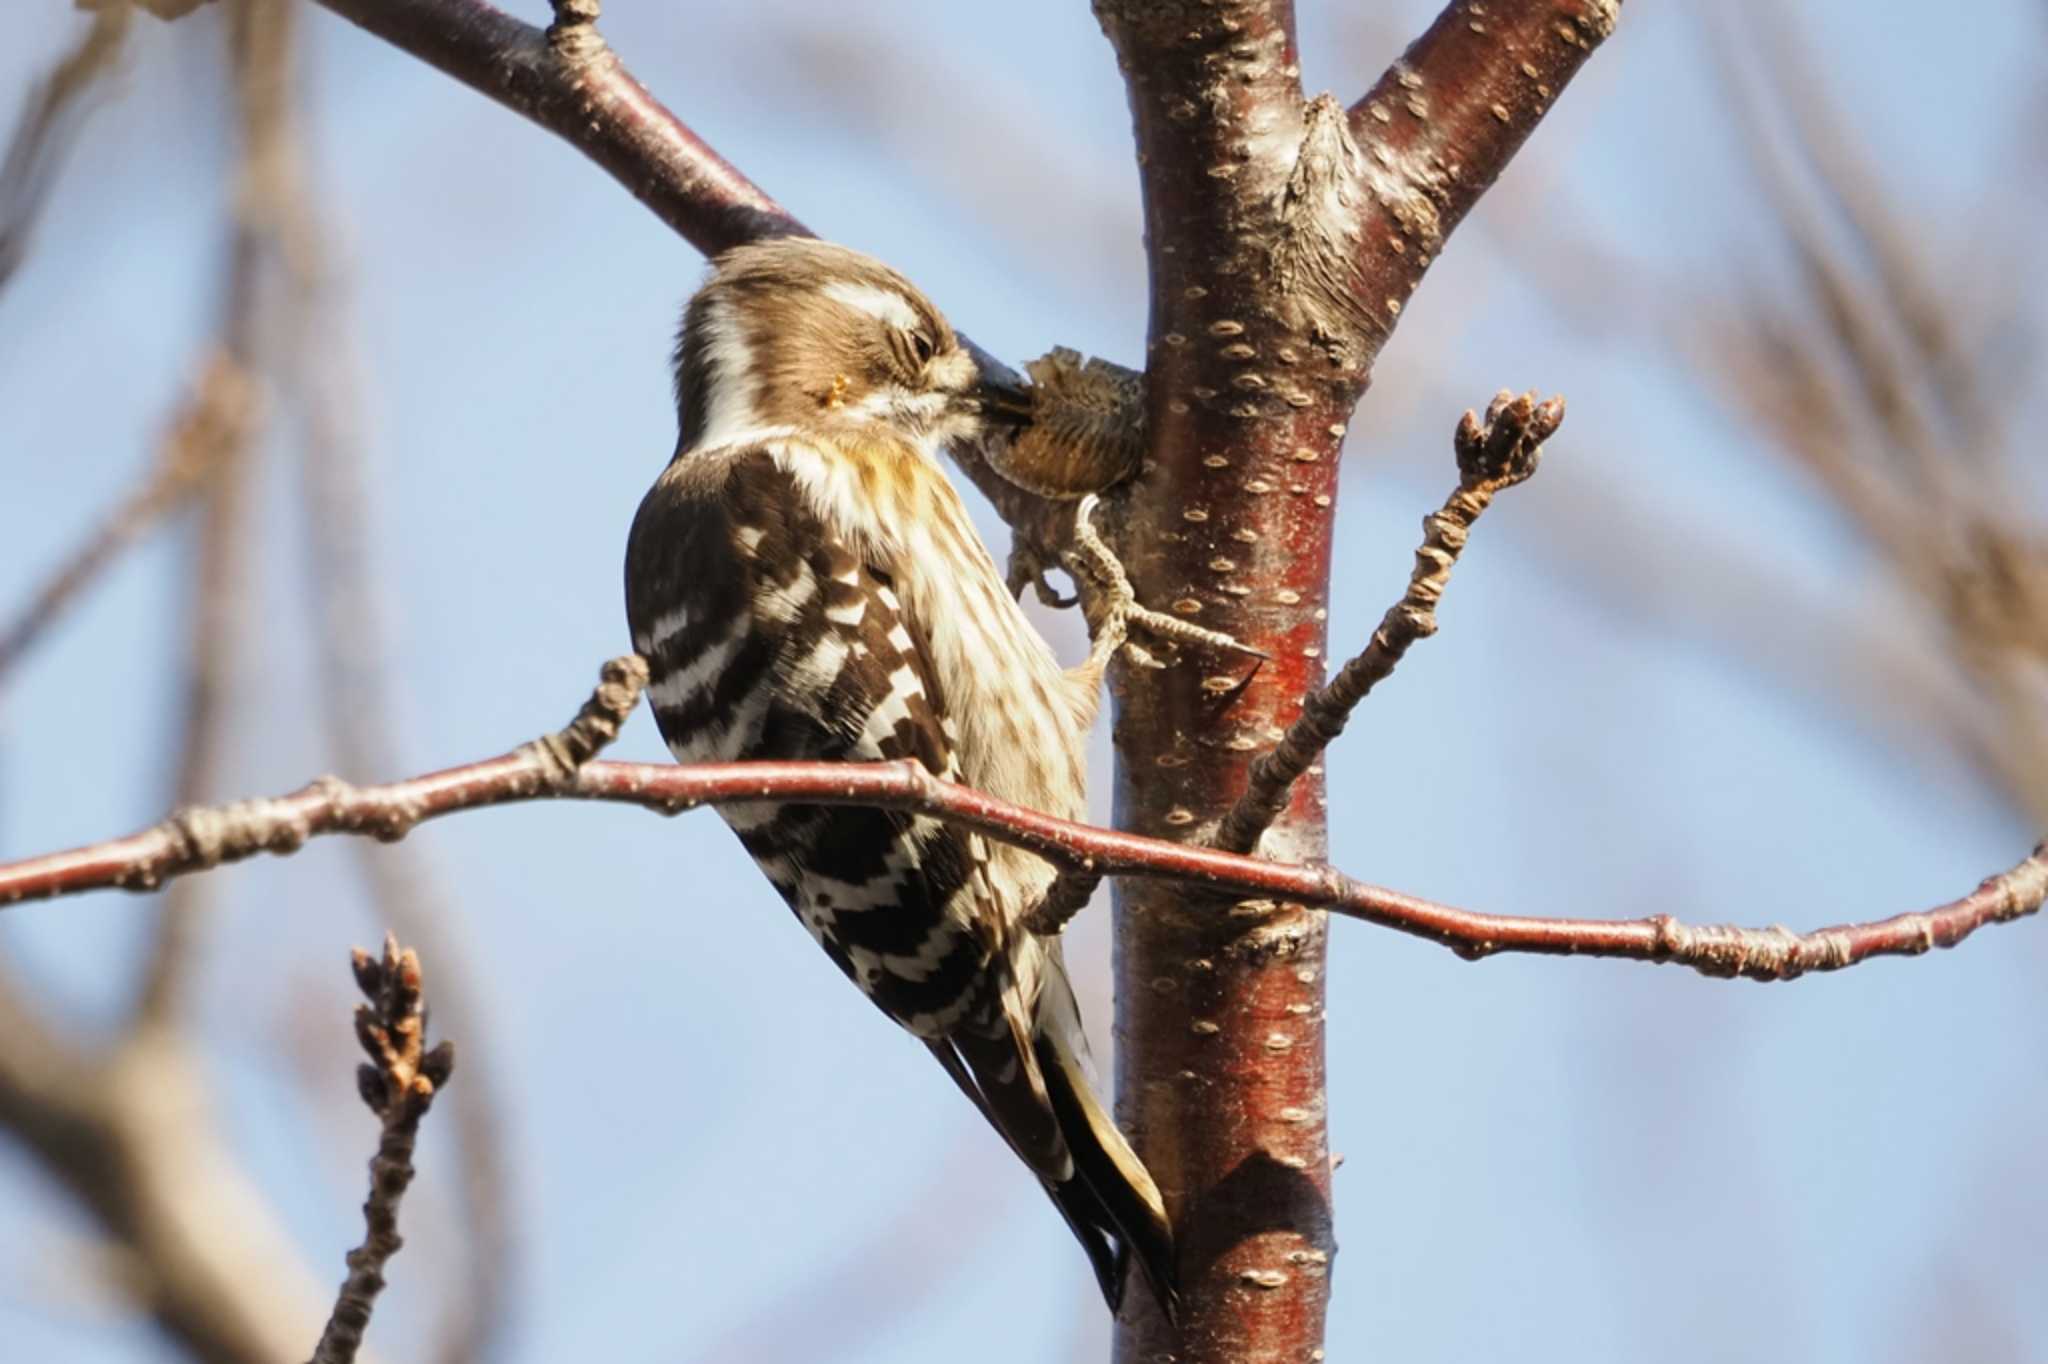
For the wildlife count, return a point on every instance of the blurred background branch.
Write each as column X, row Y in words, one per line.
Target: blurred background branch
column 43, row 133
column 130, row 1128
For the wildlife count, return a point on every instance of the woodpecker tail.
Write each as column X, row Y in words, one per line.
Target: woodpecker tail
column 1030, row 1080
column 1111, row 1188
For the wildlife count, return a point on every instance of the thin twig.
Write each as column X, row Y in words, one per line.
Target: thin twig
column 559, row 766
column 1494, row 455
column 1066, row 897
column 51, row 114
column 213, row 420
column 399, row 1084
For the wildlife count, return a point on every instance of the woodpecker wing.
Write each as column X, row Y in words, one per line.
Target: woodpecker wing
column 767, row 636
column 770, row 635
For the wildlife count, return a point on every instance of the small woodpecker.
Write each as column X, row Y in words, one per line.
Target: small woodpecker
column 806, row 585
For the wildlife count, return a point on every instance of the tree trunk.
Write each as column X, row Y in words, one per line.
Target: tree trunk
column 1283, row 234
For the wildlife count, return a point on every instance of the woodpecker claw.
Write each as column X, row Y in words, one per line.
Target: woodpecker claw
column 1027, row 569
column 1117, row 609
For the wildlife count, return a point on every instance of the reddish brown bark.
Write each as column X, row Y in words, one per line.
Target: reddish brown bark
column 1219, row 1041
column 1283, row 237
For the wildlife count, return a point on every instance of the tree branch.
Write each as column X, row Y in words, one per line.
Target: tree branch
column 1497, row 455
column 399, row 1085
column 212, row 421
column 406, row 893
column 567, row 79
column 1444, row 121
column 218, row 602
column 51, row 113
column 128, row 1128
column 559, row 766
column 131, row 1132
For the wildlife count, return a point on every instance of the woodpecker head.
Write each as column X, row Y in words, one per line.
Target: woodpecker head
column 795, row 332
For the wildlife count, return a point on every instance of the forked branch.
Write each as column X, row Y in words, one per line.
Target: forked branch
column 559, row 766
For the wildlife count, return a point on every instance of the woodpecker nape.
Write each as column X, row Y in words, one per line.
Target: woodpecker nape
column 806, row 585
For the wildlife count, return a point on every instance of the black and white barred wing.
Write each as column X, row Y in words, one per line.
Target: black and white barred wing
column 769, row 636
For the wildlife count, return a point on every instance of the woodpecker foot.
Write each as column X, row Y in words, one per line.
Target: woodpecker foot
column 1114, row 611
column 1027, row 569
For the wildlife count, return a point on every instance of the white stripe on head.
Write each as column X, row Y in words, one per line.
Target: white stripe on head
column 728, row 377
column 884, row 304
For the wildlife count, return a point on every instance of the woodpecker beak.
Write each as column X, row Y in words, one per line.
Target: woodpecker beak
column 1003, row 404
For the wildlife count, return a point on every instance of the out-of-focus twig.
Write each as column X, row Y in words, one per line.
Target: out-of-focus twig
column 130, row 1129
column 133, row 1135
column 1933, row 322
column 1863, row 377
column 322, row 384
column 1497, row 454
column 215, row 419
column 169, row 9
column 51, row 114
column 399, row 1083
column 1892, row 375
column 259, row 38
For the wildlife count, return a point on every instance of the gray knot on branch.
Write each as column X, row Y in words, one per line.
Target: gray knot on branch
column 208, row 836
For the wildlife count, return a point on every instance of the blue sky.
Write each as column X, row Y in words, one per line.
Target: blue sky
column 718, row 1150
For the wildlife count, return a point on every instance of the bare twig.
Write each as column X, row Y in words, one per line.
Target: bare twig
column 1496, row 455
column 559, row 766
column 214, row 419
column 50, row 118
column 399, row 1084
